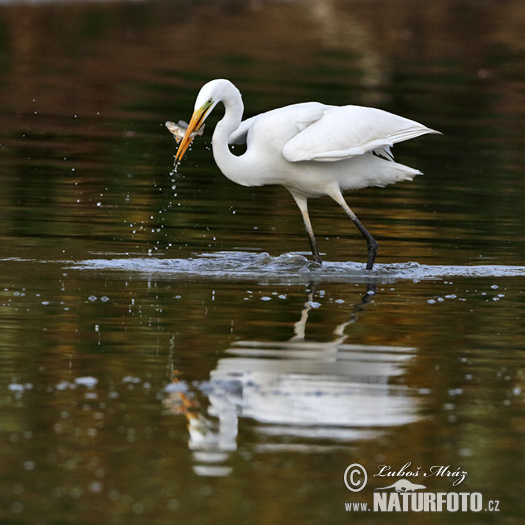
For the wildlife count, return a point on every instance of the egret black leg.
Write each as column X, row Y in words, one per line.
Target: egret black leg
column 370, row 241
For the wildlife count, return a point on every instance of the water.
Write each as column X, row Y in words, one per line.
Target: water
column 168, row 352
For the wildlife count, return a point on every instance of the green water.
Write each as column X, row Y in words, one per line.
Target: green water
column 166, row 352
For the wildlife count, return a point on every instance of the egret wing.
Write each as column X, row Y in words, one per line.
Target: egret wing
column 282, row 121
column 344, row 132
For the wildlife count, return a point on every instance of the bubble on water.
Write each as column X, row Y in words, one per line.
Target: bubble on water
column 455, row 391
column 176, row 387
column 173, row 504
column 131, row 379
column 138, row 507
column 95, row 486
column 17, row 387
column 88, row 381
column 63, row 385
column 17, row 507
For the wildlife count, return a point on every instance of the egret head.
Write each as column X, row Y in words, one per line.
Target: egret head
column 207, row 99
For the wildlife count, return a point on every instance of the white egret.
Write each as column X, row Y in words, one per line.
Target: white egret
column 311, row 149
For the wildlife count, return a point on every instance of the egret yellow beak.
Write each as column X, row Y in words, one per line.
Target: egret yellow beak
column 196, row 122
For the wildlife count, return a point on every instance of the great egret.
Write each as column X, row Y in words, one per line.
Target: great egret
column 311, row 149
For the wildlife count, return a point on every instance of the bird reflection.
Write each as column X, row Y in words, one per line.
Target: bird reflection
column 312, row 392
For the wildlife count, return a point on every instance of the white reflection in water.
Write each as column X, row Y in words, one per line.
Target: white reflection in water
column 303, row 389
column 326, row 385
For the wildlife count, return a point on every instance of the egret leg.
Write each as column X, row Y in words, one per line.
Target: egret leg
column 370, row 241
column 302, row 203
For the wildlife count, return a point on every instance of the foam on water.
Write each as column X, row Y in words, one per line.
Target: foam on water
column 291, row 267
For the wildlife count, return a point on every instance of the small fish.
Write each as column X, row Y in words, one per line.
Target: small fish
column 178, row 130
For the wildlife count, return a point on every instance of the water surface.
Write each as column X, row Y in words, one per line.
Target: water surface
column 168, row 352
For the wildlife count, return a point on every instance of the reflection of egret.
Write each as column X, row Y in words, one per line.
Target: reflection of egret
column 300, row 326
column 311, row 149
column 209, row 443
column 310, row 388
column 298, row 388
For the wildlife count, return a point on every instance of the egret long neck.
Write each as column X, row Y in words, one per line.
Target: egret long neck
column 229, row 164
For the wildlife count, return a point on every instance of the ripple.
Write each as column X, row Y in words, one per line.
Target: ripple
column 290, row 267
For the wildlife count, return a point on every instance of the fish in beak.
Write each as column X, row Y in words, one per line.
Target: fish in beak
column 178, row 130
column 195, row 127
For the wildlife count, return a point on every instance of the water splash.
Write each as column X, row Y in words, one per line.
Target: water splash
column 290, row 267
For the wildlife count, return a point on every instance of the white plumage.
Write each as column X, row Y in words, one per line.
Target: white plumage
column 311, row 149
